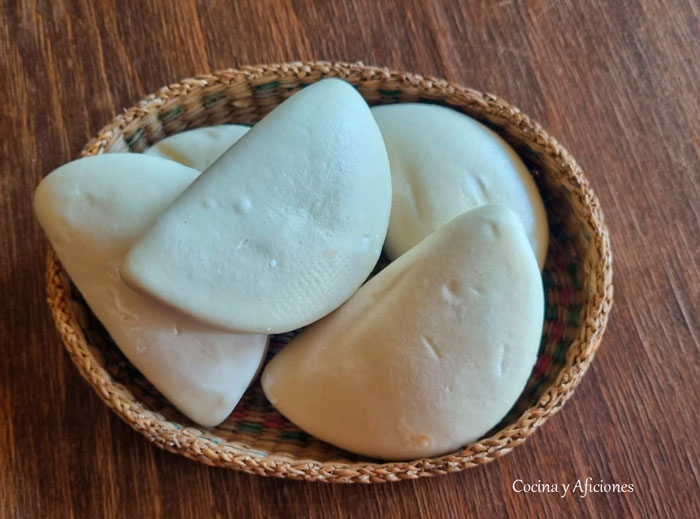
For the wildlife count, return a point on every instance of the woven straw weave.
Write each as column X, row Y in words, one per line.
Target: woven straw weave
column 256, row 438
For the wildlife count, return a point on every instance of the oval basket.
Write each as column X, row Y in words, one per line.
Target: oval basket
column 256, row 438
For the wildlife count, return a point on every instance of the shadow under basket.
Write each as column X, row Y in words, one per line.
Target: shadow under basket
column 256, row 438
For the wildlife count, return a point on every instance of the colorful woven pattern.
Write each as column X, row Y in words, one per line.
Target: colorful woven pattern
column 256, row 438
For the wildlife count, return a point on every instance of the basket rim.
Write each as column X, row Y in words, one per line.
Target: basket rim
column 192, row 443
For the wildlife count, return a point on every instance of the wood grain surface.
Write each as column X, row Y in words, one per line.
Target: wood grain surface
column 615, row 81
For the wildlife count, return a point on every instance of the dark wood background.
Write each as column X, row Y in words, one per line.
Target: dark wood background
column 615, row 81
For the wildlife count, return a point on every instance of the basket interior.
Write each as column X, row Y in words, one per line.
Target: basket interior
column 254, row 423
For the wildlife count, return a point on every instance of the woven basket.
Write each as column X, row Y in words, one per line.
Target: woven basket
column 256, row 438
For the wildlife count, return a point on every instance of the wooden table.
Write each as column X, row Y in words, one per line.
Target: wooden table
column 615, row 81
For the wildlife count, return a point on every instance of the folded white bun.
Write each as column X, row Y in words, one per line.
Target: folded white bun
column 92, row 210
column 283, row 227
column 429, row 354
column 198, row 148
column 444, row 163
